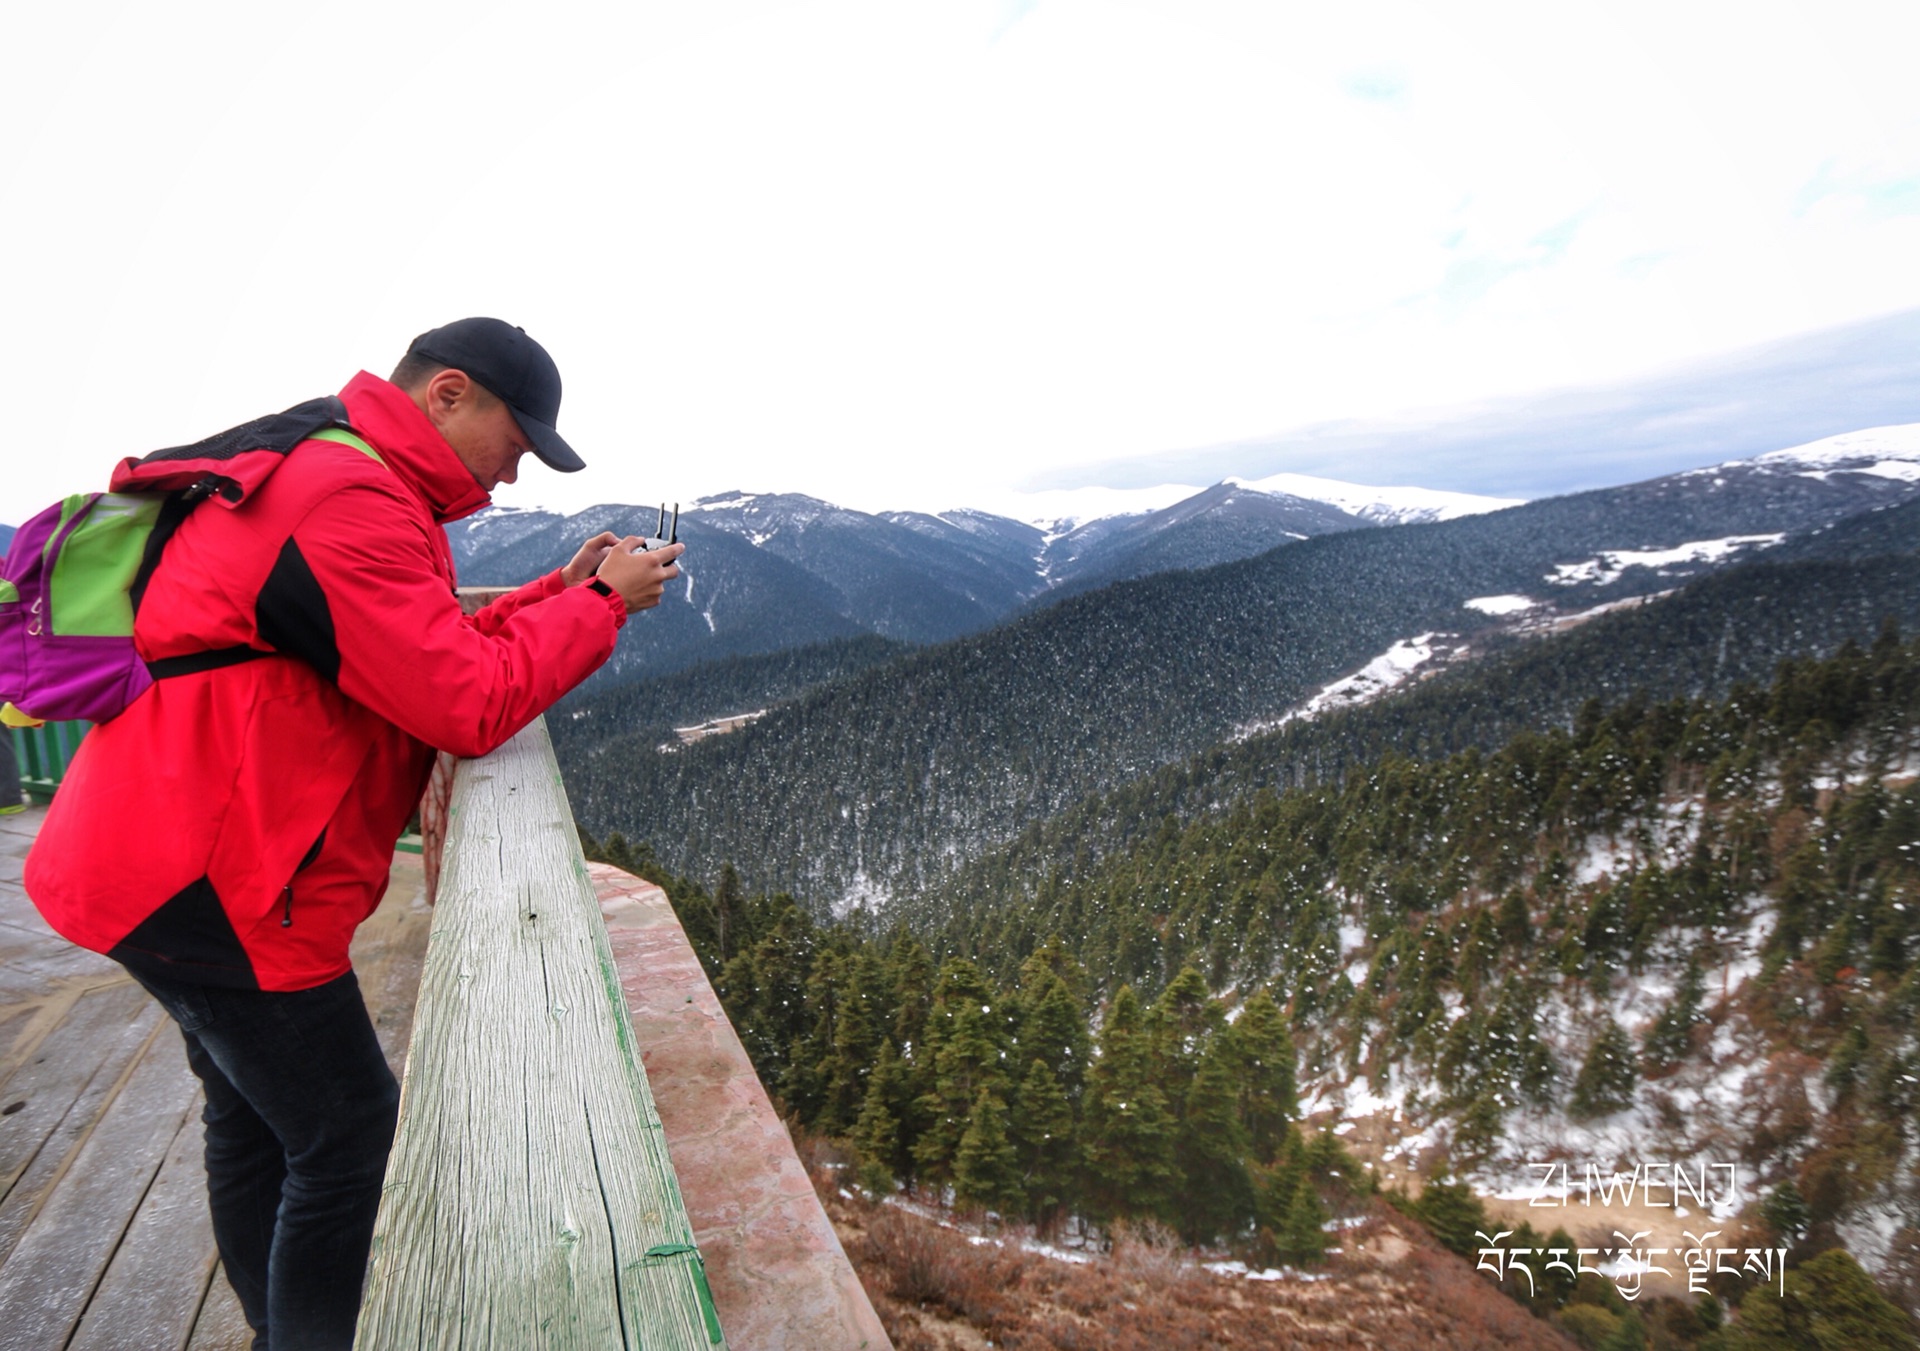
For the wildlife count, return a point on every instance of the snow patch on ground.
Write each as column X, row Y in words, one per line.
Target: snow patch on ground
column 1604, row 857
column 706, row 614
column 1244, row 1272
column 733, row 722
column 862, row 892
column 1055, row 1253
column 1501, row 605
column 1894, row 469
column 1608, row 565
column 1869, row 1234
column 1378, row 676
column 1553, row 621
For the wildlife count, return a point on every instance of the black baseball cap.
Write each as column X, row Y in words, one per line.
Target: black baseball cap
column 513, row 368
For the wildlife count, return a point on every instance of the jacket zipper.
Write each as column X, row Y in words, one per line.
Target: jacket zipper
column 286, row 892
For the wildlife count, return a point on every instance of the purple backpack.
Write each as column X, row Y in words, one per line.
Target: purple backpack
column 66, row 612
column 75, row 573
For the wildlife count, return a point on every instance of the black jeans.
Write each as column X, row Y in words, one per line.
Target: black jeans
column 299, row 1119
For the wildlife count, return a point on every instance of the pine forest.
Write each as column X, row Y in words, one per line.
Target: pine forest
column 1498, row 948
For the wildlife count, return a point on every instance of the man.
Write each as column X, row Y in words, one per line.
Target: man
column 224, row 836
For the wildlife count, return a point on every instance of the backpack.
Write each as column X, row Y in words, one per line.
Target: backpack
column 75, row 574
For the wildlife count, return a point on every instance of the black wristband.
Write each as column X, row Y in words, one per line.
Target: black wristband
column 597, row 585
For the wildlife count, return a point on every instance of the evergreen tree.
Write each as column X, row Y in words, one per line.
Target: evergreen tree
column 729, row 909
column 1452, row 1213
column 1606, row 1080
column 1181, row 1025
column 802, row 1086
column 1515, row 924
column 909, row 976
column 1046, row 1145
column 1264, row 1052
column 1557, row 1285
column 1843, row 1069
column 1479, row 1127
column 876, row 1135
column 964, row 1042
column 858, row 1033
column 1129, row 1131
column 1331, row 1164
column 985, row 1166
column 1053, row 1028
column 1478, row 948
column 1671, row 1036
column 1786, row 1213
column 1273, row 1191
column 1523, row 1063
column 1464, row 1053
column 1215, row 1196
column 1302, row 1238
column 881, row 1138
column 1829, row 1303
column 764, row 990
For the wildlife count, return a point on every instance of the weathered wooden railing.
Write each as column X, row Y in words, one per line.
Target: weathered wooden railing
column 529, row 1200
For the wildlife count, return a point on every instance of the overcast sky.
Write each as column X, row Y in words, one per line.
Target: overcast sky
column 919, row 254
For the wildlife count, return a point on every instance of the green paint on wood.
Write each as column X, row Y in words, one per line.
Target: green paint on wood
column 529, row 1166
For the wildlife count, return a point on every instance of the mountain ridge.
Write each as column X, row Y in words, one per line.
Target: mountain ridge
column 878, row 783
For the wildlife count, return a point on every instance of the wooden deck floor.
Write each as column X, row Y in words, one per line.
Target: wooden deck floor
column 104, row 1239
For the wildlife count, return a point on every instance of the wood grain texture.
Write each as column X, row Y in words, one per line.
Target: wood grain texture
column 221, row 1324
column 151, row 1293
column 60, row 1258
column 529, row 1190
column 72, row 1078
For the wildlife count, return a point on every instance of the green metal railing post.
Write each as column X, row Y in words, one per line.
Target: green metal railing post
column 44, row 753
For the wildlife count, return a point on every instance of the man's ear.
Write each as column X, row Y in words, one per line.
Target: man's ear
column 445, row 392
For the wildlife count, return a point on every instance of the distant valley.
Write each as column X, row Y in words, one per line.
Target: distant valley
column 883, row 779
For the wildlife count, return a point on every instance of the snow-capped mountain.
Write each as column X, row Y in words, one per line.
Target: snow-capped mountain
column 1876, row 452
column 1383, row 506
column 1215, row 525
column 964, row 745
column 1060, row 511
column 769, row 571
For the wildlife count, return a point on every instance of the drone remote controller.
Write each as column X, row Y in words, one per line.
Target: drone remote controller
column 663, row 533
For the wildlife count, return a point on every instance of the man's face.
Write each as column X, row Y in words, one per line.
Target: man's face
column 480, row 428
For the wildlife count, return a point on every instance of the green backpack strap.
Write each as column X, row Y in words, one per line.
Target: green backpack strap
column 346, row 437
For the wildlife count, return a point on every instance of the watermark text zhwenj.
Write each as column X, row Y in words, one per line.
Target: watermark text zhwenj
column 1712, row 1187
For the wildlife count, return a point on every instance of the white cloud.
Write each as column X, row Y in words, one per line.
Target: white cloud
column 909, row 255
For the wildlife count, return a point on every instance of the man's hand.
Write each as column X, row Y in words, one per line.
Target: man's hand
column 639, row 577
column 585, row 563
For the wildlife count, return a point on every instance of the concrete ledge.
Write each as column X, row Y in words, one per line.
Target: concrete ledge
column 780, row 1278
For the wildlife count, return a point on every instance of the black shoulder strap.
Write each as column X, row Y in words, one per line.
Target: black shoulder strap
column 279, row 432
column 210, row 660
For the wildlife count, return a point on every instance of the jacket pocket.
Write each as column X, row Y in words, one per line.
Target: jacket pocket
column 286, row 892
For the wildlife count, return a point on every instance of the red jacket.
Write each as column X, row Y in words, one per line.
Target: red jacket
column 236, row 825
